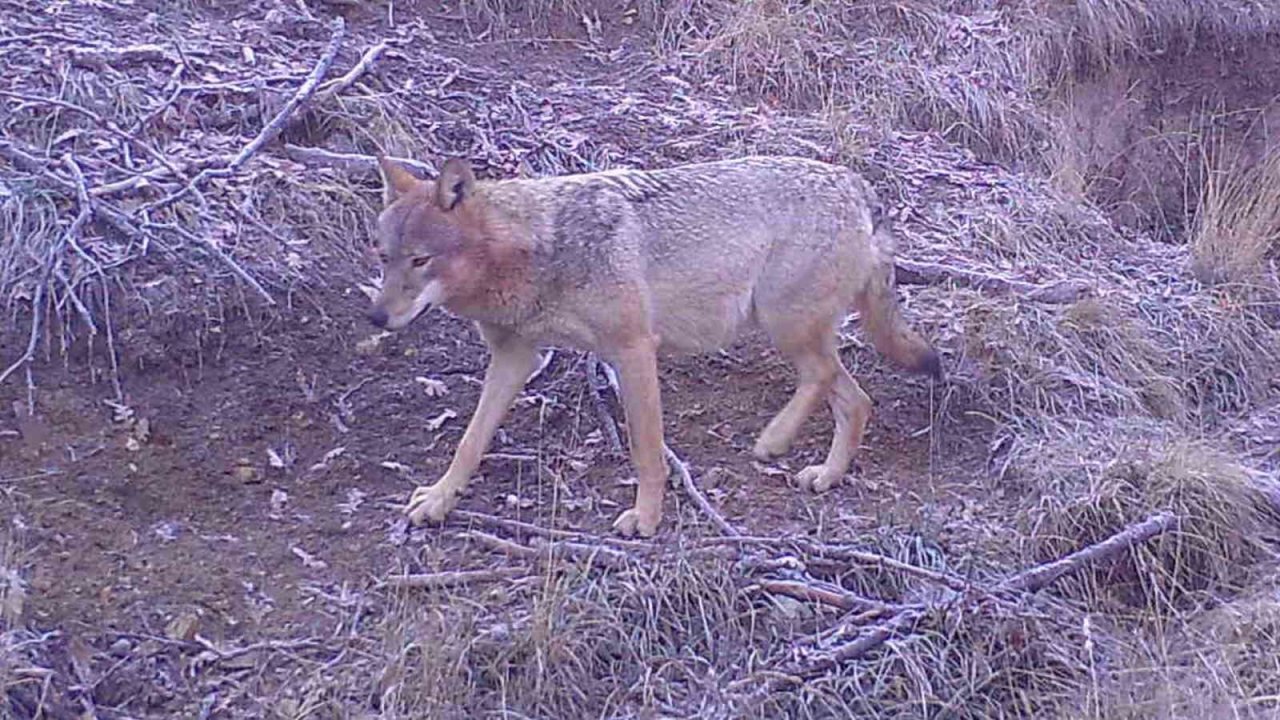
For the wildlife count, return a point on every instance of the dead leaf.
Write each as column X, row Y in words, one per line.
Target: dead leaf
column 355, row 497
column 308, row 559
column 279, row 499
column 329, row 457
column 768, row 469
column 183, row 627
column 434, row 423
column 396, row 467
column 432, row 387
column 246, row 472
column 515, row 501
column 372, row 344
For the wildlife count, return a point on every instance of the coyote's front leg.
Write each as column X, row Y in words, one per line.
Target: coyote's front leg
column 511, row 362
column 638, row 375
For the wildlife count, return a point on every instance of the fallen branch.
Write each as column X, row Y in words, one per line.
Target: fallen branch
column 607, row 424
column 681, row 468
column 146, row 177
column 698, row 498
column 367, row 60
column 871, row 640
column 268, row 132
column 82, row 190
column 910, row 272
column 49, row 265
column 1038, row 577
column 545, row 550
column 350, row 163
column 112, row 216
column 835, row 597
column 1029, row 580
column 452, row 578
column 815, row 549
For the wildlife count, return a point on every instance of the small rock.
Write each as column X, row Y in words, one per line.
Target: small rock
column 246, row 472
column 121, row 648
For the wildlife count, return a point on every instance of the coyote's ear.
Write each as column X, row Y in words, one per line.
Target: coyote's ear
column 396, row 181
column 455, row 184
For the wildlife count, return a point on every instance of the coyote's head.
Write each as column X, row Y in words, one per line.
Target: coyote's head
column 425, row 236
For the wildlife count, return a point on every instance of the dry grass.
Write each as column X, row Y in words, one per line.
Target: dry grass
column 1228, row 528
column 1090, row 37
column 1220, row 665
column 568, row 643
column 889, row 63
column 1237, row 221
column 503, row 19
column 1092, row 390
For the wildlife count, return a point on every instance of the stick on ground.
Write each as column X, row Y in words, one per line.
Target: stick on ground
column 922, row 273
column 268, row 132
column 690, row 487
column 1038, row 577
column 452, row 578
column 1029, row 580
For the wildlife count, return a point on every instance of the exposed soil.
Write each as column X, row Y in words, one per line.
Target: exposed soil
column 1147, row 132
column 265, row 496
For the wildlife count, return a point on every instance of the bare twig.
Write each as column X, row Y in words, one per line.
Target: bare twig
column 543, row 549
column 337, row 85
column 223, row 655
column 833, row 596
column 608, row 426
column 699, row 499
column 268, row 132
column 816, row 549
column 1038, row 577
column 452, row 578
column 1029, row 580
column 681, row 467
column 872, row 639
column 82, row 191
column 910, row 272
column 350, row 163
column 49, row 265
column 220, row 255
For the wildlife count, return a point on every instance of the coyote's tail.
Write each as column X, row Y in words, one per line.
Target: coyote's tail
column 882, row 317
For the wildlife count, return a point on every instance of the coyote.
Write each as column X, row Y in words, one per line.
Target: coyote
column 629, row 264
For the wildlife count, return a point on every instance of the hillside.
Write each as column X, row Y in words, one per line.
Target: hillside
column 205, row 447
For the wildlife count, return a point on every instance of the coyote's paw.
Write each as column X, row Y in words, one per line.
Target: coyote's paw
column 768, row 448
column 818, row 478
column 635, row 522
column 431, row 501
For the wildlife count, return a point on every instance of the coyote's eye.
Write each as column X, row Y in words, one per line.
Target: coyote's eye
column 421, row 260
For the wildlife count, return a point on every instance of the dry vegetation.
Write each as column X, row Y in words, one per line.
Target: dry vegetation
column 158, row 199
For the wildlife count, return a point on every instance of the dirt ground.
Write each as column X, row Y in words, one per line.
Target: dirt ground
column 248, row 492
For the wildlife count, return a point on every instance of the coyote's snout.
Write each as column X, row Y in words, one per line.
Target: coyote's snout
column 626, row 263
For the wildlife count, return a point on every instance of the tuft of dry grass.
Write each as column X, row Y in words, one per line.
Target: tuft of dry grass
column 890, row 63
column 1091, row 37
column 1223, row 664
column 1228, row 525
column 569, row 644
column 501, row 19
column 1090, row 358
column 1237, row 221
